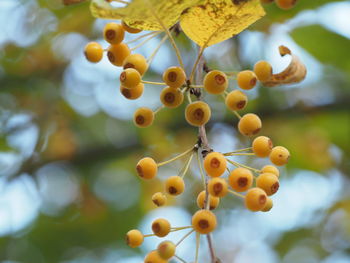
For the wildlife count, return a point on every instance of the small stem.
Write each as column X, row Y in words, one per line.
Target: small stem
column 142, row 36
column 237, row 114
column 154, row 53
column 197, row 247
column 242, row 165
column 201, row 170
column 176, row 230
column 182, row 227
column 189, row 97
column 200, row 53
column 236, row 194
column 187, row 166
column 240, row 154
column 182, row 260
column 172, row 41
column 149, row 235
column 145, row 41
column 153, row 82
column 158, row 110
column 211, row 249
column 185, row 236
column 176, row 157
column 239, row 150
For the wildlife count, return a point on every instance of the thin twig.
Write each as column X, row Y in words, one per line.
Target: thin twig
column 154, row 53
column 172, row 41
column 184, row 237
column 181, row 259
column 143, row 36
column 203, row 141
column 176, row 157
column 144, row 41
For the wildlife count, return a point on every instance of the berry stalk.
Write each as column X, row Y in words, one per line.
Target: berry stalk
column 203, row 142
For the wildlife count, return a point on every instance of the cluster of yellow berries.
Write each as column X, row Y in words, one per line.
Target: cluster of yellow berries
column 283, row 4
column 119, row 54
column 215, row 164
column 215, row 82
column 257, row 184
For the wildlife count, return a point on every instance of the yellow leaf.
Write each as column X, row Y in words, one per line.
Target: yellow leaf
column 218, row 20
column 139, row 13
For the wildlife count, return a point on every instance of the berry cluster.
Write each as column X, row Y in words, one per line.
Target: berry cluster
column 119, row 54
column 254, row 186
column 258, row 184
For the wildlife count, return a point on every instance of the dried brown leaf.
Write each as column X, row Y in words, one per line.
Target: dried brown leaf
column 294, row 73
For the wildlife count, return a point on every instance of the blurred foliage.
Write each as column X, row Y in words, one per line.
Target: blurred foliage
column 99, row 150
column 325, row 53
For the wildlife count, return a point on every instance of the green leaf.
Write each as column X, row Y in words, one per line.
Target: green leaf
column 326, row 46
column 4, row 147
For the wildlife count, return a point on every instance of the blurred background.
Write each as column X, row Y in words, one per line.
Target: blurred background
column 68, row 148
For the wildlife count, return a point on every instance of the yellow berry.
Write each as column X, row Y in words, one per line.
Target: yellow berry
column 268, row 182
column 134, row 238
column 286, row 4
column 215, row 82
column 263, row 70
column 174, row 77
column 159, row 199
column 246, row 79
column 171, row 97
column 93, row 52
column 270, row 169
column 279, row 155
column 134, row 93
column 236, row 100
column 113, row 33
column 249, row 124
column 204, row 221
column 268, row 205
column 130, row 29
column 215, row 164
column 161, row 227
column 174, row 185
column 241, row 179
column 217, row 187
column 153, row 257
column 143, row 117
column 197, row 113
column 147, row 168
column 255, row 199
column 137, row 62
column 166, row 250
column 130, row 78
column 213, row 201
column 262, row 146
column 117, row 53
